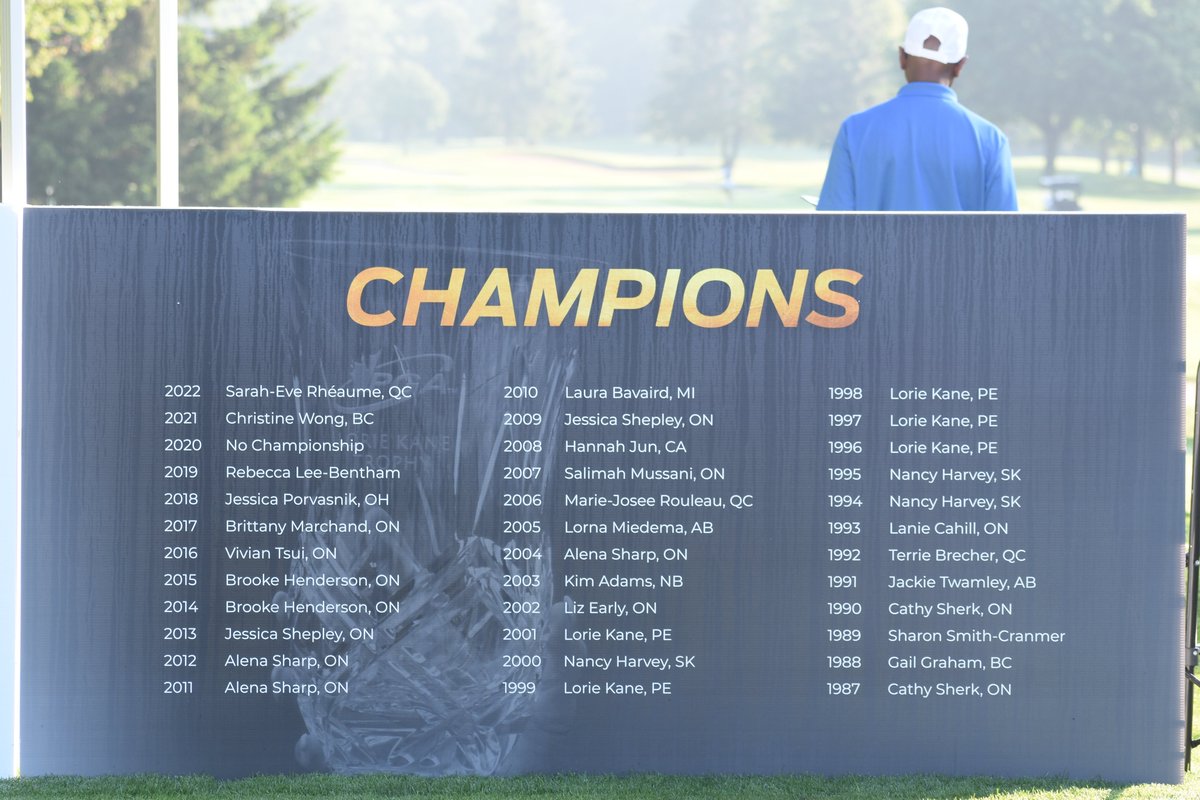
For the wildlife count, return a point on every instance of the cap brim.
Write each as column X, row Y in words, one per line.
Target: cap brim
column 932, row 55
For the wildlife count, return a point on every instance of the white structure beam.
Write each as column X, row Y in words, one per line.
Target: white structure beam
column 168, row 103
column 12, row 97
column 13, row 193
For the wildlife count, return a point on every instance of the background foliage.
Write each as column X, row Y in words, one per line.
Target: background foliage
column 248, row 134
column 266, row 86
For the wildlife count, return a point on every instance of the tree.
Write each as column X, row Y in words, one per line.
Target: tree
column 522, row 86
column 626, row 41
column 831, row 59
column 1178, row 100
column 90, row 133
column 1117, row 65
column 395, row 64
column 1120, row 66
column 1046, row 63
column 414, row 102
column 1156, row 87
column 58, row 28
column 246, row 133
column 714, row 84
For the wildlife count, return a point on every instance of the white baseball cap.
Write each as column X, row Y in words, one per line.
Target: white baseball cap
column 947, row 26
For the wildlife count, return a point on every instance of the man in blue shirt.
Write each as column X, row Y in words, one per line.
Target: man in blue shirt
column 922, row 150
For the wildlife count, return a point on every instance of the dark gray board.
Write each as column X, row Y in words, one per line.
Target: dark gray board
column 1077, row 320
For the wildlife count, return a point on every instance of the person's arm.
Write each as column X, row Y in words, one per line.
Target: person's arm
column 837, row 193
column 1001, row 191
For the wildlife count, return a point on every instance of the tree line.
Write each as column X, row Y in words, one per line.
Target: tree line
column 1111, row 76
column 1106, row 75
column 249, row 135
column 265, row 97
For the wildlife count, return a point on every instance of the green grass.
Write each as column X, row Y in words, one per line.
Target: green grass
column 367, row 787
column 488, row 176
column 602, row 177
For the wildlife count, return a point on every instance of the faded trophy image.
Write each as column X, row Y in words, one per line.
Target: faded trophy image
column 432, row 599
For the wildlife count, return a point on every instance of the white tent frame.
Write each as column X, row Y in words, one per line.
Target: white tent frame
column 14, row 194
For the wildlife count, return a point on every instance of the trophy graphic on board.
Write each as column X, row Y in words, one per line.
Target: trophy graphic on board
column 430, row 602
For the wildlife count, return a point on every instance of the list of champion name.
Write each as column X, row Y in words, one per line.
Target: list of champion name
column 306, row 672
column 638, row 527
column 613, row 392
column 953, row 475
column 633, row 581
column 291, row 674
column 626, row 669
column 626, row 554
column 651, row 574
column 950, row 527
column 658, row 413
column 295, row 446
column 956, row 583
column 985, row 636
column 955, row 415
column 976, row 531
column 344, row 499
column 267, row 580
column 302, row 674
column 642, row 473
column 963, row 393
column 310, row 421
column 577, row 426
column 322, row 526
column 302, row 471
column 271, row 581
column 688, row 500
column 295, row 688
column 987, row 656
column 288, row 437
column 306, row 391
column 312, row 418
column 288, row 633
column 625, row 674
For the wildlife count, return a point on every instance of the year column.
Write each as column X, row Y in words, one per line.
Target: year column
column 842, row 533
column 182, row 446
column 526, row 597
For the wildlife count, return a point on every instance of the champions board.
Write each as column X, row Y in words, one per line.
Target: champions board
column 497, row 494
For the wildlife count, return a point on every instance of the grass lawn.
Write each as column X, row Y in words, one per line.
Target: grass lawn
column 483, row 176
column 370, row 787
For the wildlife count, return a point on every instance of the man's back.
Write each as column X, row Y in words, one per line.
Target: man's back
column 919, row 151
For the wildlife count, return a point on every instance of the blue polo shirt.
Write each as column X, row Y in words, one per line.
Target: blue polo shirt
column 919, row 151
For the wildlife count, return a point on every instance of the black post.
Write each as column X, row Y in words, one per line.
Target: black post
column 1192, row 564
